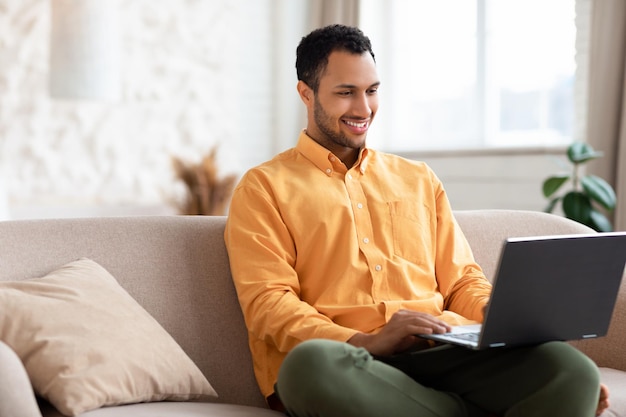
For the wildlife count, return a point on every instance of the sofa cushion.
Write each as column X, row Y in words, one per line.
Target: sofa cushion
column 16, row 391
column 86, row 343
column 170, row 409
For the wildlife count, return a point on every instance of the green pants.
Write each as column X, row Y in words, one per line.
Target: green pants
column 324, row 378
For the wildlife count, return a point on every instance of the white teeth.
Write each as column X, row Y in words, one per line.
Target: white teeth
column 356, row 124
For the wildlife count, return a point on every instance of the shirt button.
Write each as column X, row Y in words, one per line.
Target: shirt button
column 349, row 176
column 332, row 159
column 366, row 240
column 328, row 170
column 378, row 268
column 359, row 205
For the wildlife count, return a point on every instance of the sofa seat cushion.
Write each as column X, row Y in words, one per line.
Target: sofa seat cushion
column 175, row 409
column 86, row 343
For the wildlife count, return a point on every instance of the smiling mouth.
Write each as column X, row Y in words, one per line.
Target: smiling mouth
column 357, row 127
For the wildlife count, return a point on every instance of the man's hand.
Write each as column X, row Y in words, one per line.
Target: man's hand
column 399, row 334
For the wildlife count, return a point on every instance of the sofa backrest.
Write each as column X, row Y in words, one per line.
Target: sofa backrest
column 486, row 230
column 176, row 267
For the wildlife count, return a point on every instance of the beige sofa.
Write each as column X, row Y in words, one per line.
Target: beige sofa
column 176, row 267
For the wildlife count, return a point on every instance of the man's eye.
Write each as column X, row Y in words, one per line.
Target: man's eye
column 372, row 91
column 344, row 93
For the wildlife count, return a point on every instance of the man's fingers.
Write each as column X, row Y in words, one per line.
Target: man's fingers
column 421, row 323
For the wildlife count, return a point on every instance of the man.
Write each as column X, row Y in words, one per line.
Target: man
column 342, row 255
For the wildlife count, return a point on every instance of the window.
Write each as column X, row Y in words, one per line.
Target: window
column 473, row 73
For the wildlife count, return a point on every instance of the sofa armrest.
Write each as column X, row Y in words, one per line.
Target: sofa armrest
column 17, row 398
column 609, row 351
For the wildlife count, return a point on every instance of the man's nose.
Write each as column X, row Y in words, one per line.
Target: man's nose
column 362, row 105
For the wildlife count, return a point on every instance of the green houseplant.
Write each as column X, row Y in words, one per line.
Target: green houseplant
column 588, row 193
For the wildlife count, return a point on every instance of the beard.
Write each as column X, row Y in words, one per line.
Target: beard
column 325, row 124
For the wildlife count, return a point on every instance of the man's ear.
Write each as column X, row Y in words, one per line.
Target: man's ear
column 306, row 93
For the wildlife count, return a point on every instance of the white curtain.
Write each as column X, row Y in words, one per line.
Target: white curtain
column 4, row 203
column 606, row 116
column 294, row 19
column 327, row 12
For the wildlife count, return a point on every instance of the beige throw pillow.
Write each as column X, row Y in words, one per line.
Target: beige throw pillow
column 86, row 343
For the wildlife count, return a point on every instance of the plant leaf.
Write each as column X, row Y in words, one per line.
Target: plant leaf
column 550, row 207
column 577, row 206
column 579, row 152
column 600, row 222
column 599, row 190
column 552, row 184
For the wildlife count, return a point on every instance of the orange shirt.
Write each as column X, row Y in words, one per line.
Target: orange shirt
column 320, row 251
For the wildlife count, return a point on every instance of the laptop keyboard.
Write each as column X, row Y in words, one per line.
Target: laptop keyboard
column 472, row 337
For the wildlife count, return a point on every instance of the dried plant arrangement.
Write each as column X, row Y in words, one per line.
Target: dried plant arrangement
column 207, row 194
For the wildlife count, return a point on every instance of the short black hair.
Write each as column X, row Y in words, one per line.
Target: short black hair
column 313, row 51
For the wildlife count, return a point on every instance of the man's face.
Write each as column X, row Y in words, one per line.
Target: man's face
column 345, row 104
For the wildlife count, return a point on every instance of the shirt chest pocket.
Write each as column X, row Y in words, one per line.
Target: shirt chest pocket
column 412, row 231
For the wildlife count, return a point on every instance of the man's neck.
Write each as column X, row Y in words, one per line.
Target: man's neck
column 347, row 155
column 350, row 158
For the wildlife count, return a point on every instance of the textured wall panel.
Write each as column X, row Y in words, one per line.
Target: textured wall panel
column 179, row 81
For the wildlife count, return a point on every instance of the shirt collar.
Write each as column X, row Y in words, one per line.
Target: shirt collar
column 325, row 160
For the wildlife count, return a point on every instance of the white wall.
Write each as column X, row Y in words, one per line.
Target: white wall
column 495, row 178
column 195, row 73
column 180, row 63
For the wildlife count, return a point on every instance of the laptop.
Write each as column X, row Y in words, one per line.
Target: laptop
column 549, row 288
